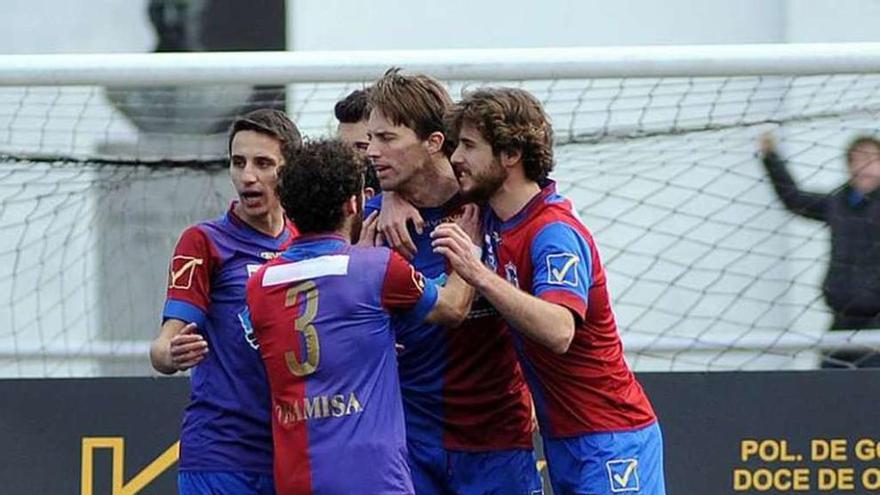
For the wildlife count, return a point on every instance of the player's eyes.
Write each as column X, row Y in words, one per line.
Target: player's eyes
column 265, row 163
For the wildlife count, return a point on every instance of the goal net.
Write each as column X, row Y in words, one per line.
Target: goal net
column 105, row 159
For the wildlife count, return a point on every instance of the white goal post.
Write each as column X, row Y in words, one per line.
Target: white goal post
column 655, row 145
column 267, row 68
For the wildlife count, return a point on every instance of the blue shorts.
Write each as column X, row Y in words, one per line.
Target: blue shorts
column 438, row 471
column 224, row 483
column 629, row 462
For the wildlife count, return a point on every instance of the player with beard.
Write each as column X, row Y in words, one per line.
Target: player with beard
column 544, row 275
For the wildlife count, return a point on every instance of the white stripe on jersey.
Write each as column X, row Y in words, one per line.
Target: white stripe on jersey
column 322, row 266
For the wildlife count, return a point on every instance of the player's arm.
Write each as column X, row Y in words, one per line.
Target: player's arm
column 178, row 345
column 547, row 323
column 409, row 294
column 456, row 296
column 808, row 204
column 453, row 302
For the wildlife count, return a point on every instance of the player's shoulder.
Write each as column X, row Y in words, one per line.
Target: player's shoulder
column 559, row 209
column 205, row 229
column 370, row 254
column 194, row 240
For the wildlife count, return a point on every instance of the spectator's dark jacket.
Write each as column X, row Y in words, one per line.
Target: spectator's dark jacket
column 852, row 284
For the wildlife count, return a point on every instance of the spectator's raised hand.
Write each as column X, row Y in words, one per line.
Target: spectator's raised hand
column 767, row 143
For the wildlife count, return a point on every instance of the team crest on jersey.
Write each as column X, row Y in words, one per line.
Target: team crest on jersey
column 623, row 474
column 510, row 273
column 562, row 269
column 183, row 268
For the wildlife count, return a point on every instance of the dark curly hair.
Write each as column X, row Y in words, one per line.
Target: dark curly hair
column 316, row 181
column 416, row 101
column 270, row 122
column 511, row 120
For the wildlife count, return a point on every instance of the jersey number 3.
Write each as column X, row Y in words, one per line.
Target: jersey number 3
column 303, row 324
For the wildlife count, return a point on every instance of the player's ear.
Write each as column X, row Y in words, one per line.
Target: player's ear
column 435, row 141
column 352, row 205
column 510, row 158
column 369, row 192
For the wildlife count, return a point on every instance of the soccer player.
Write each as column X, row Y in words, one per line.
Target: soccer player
column 545, row 277
column 468, row 412
column 226, row 439
column 352, row 114
column 321, row 315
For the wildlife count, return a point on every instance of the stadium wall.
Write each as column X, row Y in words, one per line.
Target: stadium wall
column 747, row 432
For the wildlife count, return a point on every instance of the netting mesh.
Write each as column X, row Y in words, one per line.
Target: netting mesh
column 707, row 270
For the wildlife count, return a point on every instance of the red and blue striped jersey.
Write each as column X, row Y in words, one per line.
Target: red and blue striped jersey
column 463, row 388
column 546, row 251
column 321, row 314
column 226, row 425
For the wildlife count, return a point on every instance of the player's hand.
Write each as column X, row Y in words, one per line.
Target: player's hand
column 370, row 235
column 451, row 241
column 393, row 220
column 767, row 143
column 188, row 348
column 469, row 221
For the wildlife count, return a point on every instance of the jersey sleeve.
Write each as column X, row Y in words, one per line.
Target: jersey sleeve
column 562, row 267
column 406, row 291
column 189, row 278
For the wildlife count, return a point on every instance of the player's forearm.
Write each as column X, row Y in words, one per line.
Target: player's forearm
column 546, row 323
column 454, row 302
column 160, row 356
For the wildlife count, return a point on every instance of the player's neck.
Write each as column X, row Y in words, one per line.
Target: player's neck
column 513, row 196
column 271, row 224
column 434, row 186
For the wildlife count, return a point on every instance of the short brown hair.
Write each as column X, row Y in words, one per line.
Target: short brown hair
column 270, row 122
column 510, row 119
column 418, row 102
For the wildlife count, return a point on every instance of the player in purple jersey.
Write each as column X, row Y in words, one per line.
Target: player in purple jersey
column 226, row 439
column 467, row 407
column 321, row 313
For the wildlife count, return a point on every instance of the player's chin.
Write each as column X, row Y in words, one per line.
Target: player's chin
column 466, row 185
column 253, row 207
